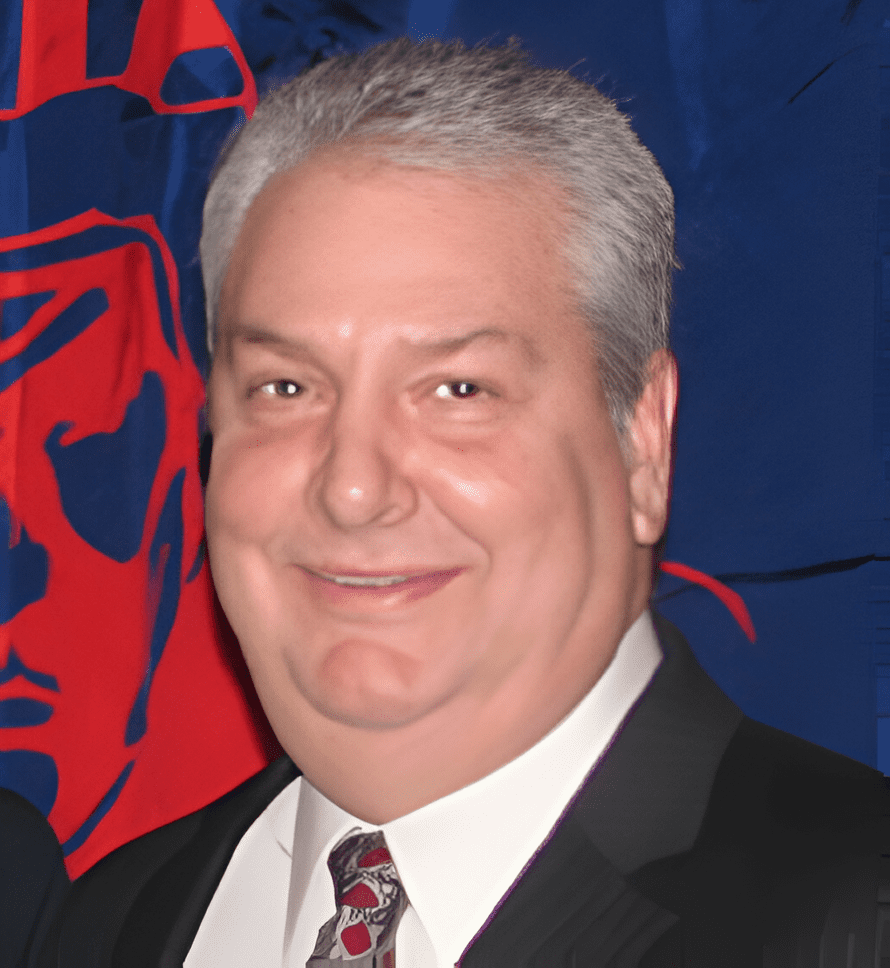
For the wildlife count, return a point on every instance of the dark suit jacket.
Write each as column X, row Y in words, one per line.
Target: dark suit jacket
column 33, row 882
column 703, row 839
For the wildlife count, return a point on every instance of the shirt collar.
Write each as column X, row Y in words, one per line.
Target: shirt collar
column 459, row 856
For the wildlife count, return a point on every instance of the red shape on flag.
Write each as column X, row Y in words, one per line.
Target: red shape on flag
column 52, row 59
column 732, row 600
column 201, row 738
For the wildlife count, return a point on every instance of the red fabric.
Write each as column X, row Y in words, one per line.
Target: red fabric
column 732, row 600
column 90, row 631
column 52, row 58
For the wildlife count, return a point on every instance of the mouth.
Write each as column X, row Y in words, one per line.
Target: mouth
column 364, row 581
column 386, row 588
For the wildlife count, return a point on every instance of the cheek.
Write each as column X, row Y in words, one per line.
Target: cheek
column 239, row 527
column 254, row 506
column 250, row 485
column 551, row 512
column 514, row 487
column 468, row 488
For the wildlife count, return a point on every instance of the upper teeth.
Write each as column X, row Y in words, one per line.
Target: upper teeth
column 375, row 581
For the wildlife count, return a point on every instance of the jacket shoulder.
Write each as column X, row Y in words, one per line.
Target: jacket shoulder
column 772, row 781
column 33, row 882
column 134, row 898
column 788, row 862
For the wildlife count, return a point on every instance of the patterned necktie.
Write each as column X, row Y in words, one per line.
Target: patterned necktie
column 370, row 901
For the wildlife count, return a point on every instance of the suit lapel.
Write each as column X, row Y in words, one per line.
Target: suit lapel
column 570, row 901
column 647, row 797
column 166, row 914
column 575, row 903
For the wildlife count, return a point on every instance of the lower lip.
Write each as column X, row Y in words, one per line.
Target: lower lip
column 410, row 590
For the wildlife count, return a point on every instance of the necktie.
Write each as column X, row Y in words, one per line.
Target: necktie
column 370, row 901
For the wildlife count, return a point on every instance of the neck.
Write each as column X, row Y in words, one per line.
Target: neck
column 379, row 775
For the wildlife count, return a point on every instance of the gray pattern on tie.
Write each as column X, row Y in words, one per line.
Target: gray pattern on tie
column 370, row 902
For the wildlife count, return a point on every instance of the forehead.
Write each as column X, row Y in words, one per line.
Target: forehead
column 347, row 235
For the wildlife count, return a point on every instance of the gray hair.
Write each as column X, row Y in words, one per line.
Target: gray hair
column 446, row 107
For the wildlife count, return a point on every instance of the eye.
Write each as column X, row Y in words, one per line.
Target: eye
column 457, row 391
column 281, row 388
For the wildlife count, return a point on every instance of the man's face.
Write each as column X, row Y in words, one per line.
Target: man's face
column 418, row 506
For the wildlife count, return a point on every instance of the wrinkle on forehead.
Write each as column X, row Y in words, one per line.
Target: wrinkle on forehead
column 531, row 205
column 450, row 342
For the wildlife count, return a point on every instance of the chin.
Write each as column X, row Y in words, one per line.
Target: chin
column 368, row 684
column 366, row 712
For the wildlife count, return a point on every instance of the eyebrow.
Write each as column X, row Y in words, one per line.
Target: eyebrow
column 257, row 336
column 452, row 344
column 445, row 345
column 435, row 346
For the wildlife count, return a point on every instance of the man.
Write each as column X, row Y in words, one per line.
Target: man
column 442, row 405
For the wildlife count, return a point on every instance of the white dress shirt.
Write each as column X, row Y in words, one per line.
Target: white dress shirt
column 456, row 857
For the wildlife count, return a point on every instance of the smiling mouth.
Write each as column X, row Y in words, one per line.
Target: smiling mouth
column 386, row 590
column 365, row 581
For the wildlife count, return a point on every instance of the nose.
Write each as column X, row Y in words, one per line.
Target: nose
column 362, row 480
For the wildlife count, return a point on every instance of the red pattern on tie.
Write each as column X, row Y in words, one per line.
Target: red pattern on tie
column 370, row 902
column 361, row 896
column 356, row 938
column 374, row 857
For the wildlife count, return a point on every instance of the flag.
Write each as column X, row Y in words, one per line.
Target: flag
column 123, row 700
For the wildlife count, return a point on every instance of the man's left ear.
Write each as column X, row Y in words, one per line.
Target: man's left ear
column 649, row 446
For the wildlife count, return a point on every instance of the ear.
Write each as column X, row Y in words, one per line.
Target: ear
column 649, row 447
